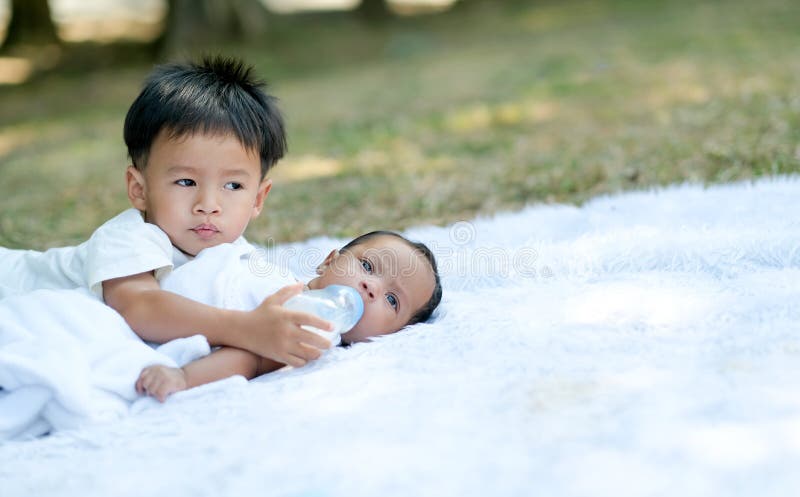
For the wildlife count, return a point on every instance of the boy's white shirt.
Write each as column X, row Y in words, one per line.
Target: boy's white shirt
column 123, row 246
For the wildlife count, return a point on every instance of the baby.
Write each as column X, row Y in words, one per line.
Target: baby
column 67, row 359
column 397, row 279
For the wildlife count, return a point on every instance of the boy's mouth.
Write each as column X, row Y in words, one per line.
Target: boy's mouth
column 205, row 231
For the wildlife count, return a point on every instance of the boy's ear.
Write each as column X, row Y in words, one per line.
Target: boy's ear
column 137, row 193
column 263, row 191
column 327, row 262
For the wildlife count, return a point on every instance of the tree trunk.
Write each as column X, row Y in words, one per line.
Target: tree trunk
column 374, row 10
column 30, row 24
column 195, row 24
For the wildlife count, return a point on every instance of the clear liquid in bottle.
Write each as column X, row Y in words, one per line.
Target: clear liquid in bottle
column 341, row 305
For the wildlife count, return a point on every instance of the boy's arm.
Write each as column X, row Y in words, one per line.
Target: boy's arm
column 269, row 330
column 161, row 381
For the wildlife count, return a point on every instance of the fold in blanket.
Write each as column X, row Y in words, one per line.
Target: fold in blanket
column 67, row 359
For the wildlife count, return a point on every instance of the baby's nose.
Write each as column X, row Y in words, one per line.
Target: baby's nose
column 368, row 289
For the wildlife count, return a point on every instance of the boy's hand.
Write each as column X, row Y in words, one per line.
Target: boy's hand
column 160, row 382
column 275, row 332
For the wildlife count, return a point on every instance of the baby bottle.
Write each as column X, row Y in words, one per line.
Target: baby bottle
column 339, row 304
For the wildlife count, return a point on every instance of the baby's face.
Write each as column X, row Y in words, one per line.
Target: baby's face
column 201, row 190
column 394, row 280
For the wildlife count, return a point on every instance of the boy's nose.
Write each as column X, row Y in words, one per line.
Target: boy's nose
column 206, row 203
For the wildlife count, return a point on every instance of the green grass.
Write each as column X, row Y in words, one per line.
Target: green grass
column 489, row 107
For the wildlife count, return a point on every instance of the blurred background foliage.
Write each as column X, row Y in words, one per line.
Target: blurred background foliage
column 407, row 112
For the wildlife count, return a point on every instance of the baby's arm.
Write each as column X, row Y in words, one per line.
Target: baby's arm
column 161, row 381
column 270, row 330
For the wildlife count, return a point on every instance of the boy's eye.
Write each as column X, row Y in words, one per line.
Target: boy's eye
column 185, row 182
column 367, row 265
column 392, row 301
column 232, row 185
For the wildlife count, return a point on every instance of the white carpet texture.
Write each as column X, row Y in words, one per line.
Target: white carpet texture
column 646, row 344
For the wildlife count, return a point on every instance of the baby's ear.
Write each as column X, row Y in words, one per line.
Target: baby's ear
column 327, row 262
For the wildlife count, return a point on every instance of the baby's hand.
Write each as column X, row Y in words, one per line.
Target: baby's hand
column 160, row 382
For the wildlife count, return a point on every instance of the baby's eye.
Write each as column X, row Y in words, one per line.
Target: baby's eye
column 185, row 182
column 232, row 185
column 367, row 265
column 392, row 300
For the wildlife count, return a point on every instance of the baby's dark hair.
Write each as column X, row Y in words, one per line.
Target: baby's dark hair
column 218, row 95
column 424, row 312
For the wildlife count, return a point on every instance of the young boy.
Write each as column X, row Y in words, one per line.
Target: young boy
column 397, row 279
column 201, row 138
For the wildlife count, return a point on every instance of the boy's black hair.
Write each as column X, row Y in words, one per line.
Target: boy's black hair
column 424, row 312
column 218, row 95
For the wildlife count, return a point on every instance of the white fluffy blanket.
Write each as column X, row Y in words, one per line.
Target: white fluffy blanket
column 646, row 344
column 67, row 360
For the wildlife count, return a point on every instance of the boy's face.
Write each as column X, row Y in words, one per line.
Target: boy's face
column 394, row 280
column 200, row 189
